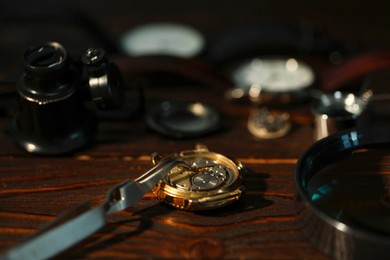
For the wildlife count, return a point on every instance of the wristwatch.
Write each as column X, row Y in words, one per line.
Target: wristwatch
column 212, row 181
column 272, row 79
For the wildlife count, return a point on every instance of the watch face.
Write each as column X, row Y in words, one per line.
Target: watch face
column 163, row 39
column 274, row 75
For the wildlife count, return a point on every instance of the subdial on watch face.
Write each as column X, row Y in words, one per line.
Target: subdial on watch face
column 274, row 74
column 204, row 175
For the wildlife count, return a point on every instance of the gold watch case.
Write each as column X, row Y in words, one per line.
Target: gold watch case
column 211, row 181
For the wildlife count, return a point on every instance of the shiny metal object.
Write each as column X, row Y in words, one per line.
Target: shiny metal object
column 332, row 228
column 268, row 124
column 79, row 223
column 191, row 180
column 212, row 181
column 104, row 79
column 336, row 111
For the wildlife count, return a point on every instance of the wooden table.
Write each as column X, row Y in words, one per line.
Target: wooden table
column 36, row 189
column 262, row 225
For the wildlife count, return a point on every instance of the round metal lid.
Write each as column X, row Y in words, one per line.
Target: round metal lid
column 181, row 119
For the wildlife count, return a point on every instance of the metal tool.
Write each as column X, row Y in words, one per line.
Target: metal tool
column 80, row 222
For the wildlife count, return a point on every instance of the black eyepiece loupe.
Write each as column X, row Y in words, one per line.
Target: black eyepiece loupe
column 52, row 116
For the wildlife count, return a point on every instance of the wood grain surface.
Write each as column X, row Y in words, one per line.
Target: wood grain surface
column 36, row 189
column 262, row 225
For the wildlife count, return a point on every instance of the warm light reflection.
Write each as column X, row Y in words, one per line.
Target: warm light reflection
column 291, row 64
column 31, row 147
column 237, row 93
column 255, row 90
column 198, row 109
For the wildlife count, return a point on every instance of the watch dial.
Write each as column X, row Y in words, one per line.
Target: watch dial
column 163, row 38
column 274, row 75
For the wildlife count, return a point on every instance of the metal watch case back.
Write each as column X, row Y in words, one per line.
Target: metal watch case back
column 212, row 181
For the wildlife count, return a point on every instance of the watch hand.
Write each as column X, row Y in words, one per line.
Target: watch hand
column 80, row 222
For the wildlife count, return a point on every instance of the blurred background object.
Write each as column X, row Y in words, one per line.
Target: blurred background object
column 78, row 24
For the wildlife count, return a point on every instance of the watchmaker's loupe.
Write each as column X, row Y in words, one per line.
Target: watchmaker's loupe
column 182, row 119
column 53, row 117
column 343, row 194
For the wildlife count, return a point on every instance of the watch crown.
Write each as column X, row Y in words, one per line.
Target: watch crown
column 240, row 166
column 201, row 148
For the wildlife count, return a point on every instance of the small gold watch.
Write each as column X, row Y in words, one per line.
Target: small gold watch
column 211, row 181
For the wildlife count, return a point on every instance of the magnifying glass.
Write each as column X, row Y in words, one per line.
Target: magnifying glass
column 343, row 194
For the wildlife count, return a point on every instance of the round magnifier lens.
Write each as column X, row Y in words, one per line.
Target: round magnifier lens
column 343, row 194
column 356, row 190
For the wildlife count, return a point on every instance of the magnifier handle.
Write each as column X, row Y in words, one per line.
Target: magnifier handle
column 60, row 235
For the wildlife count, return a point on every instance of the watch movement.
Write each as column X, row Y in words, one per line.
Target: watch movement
column 211, row 181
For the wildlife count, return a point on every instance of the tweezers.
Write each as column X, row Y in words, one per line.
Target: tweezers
column 82, row 221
